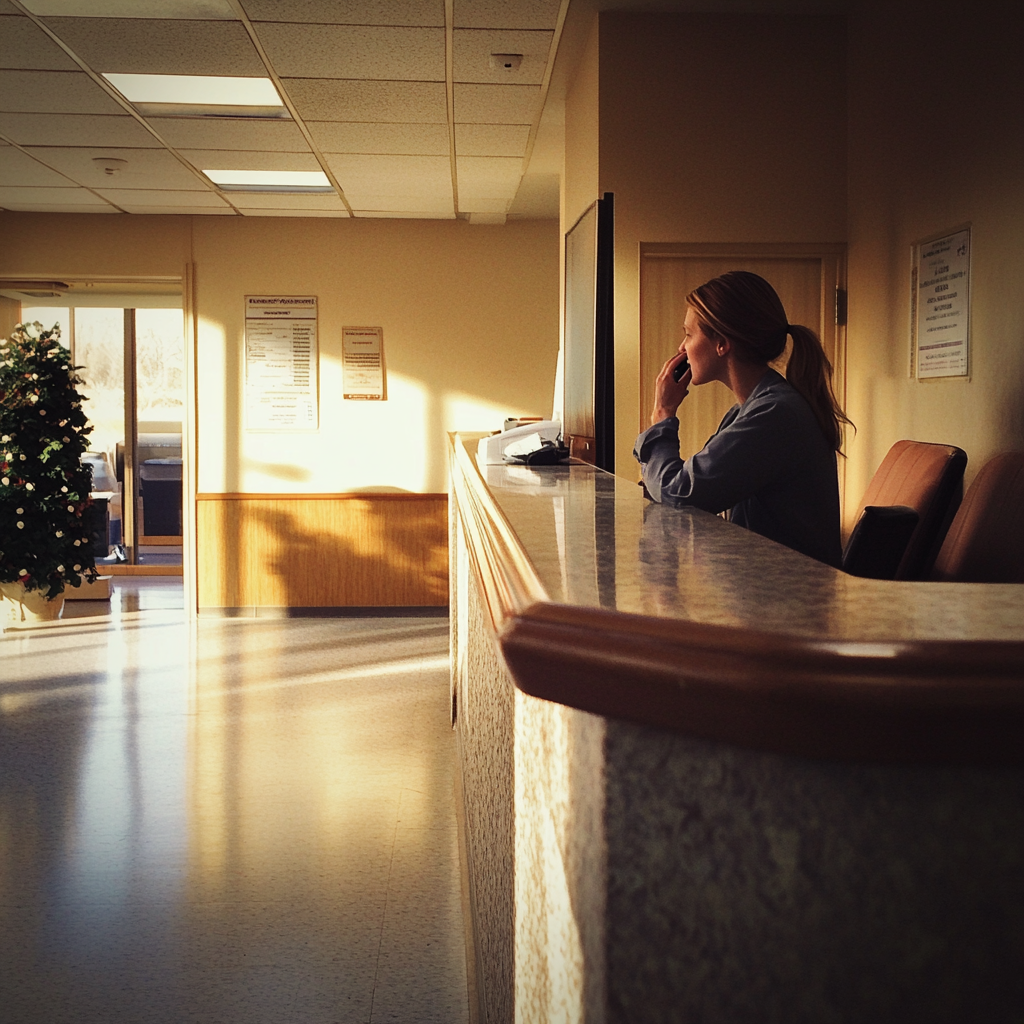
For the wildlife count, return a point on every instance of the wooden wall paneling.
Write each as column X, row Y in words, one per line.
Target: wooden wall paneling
column 314, row 551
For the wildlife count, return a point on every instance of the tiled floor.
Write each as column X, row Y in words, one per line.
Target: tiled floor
column 249, row 821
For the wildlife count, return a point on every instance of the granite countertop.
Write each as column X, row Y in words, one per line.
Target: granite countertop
column 595, row 541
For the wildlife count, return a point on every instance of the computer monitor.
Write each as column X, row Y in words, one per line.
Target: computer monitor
column 588, row 409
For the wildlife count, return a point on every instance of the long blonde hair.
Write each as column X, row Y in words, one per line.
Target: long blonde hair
column 745, row 309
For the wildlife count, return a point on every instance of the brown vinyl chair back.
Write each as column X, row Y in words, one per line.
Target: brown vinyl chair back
column 929, row 479
column 985, row 544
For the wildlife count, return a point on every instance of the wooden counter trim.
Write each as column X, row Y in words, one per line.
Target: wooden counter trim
column 950, row 702
column 342, row 496
column 956, row 702
column 508, row 580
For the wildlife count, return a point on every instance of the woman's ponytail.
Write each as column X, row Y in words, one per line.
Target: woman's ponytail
column 810, row 373
column 746, row 309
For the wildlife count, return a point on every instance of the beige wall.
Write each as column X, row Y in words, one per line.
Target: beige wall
column 712, row 128
column 470, row 319
column 935, row 142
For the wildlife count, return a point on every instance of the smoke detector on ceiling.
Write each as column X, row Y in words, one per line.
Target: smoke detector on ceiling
column 507, row 62
column 110, row 165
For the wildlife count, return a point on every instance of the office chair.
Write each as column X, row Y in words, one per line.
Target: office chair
column 917, row 475
column 985, row 544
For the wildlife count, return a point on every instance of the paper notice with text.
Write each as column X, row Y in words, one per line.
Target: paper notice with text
column 941, row 305
column 362, row 361
column 281, row 363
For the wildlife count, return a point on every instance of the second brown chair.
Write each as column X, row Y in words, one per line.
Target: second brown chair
column 927, row 478
column 985, row 544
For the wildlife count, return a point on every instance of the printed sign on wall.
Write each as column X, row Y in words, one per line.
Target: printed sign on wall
column 362, row 360
column 281, row 363
column 942, row 277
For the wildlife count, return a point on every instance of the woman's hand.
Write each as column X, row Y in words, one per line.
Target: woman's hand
column 668, row 394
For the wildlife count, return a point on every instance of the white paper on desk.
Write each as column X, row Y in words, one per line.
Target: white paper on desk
column 362, row 364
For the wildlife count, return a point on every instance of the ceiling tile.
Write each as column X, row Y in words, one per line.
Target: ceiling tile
column 179, row 210
column 76, row 130
column 248, row 160
column 138, row 197
column 348, row 12
column 215, row 9
column 404, row 215
column 490, row 177
column 145, row 168
column 145, row 46
column 57, row 208
column 372, row 204
column 24, row 45
column 18, row 168
column 503, row 14
column 472, row 49
column 355, row 51
column 537, row 198
column 318, row 99
column 57, row 92
column 283, row 201
column 52, row 196
column 348, row 137
column 407, row 175
column 249, row 212
column 230, row 133
column 491, row 139
column 475, row 204
column 496, row 104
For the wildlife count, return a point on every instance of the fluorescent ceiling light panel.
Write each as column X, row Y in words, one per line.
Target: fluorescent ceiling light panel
column 200, row 95
column 270, row 181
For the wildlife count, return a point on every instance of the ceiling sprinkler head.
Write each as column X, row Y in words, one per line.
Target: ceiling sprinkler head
column 110, row 165
column 507, row 62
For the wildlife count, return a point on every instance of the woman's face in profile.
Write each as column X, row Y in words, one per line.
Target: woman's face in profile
column 699, row 349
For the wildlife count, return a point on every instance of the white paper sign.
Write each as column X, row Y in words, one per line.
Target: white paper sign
column 281, row 363
column 942, row 306
column 362, row 361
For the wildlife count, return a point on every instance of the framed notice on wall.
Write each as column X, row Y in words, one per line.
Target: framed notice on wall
column 281, row 363
column 941, row 281
column 362, row 364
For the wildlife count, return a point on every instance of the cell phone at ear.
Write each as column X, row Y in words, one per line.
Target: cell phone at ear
column 680, row 370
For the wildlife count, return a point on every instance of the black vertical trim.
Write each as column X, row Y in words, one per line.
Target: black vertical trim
column 604, row 340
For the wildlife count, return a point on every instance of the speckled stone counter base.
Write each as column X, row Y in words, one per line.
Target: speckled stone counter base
column 749, row 887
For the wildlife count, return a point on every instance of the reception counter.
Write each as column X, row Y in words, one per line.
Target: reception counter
column 707, row 779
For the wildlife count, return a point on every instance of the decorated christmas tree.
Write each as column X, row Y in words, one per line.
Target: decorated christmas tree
column 44, row 488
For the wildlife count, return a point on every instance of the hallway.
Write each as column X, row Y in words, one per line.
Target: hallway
column 246, row 821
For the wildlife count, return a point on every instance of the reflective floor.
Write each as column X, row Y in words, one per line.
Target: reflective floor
column 249, row 821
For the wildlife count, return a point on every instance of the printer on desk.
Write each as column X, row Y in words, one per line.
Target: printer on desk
column 491, row 450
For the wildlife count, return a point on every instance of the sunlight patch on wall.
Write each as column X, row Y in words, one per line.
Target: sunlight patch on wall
column 472, row 413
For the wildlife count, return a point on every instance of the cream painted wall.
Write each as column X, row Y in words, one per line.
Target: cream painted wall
column 936, row 140
column 470, row 319
column 581, row 179
column 712, row 128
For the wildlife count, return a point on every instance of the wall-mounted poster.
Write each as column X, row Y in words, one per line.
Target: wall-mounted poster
column 362, row 364
column 942, row 308
column 281, row 363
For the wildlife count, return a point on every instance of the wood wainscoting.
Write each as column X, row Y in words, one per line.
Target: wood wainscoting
column 322, row 550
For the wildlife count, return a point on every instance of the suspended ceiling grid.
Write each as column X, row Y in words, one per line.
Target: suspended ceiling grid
column 395, row 100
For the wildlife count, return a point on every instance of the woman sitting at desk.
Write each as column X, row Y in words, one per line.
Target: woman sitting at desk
column 772, row 461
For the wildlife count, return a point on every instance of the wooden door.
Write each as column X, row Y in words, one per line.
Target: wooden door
column 806, row 278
